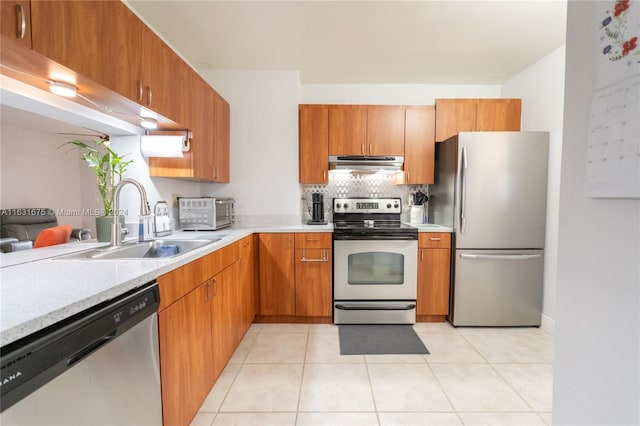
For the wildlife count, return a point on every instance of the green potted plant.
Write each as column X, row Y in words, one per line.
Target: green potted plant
column 109, row 167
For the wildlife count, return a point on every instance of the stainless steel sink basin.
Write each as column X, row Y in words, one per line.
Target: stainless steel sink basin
column 157, row 249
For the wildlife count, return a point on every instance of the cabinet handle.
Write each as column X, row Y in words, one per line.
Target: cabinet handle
column 149, row 96
column 362, row 149
column 434, row 239
column 421, row 255
column 407, row 177
column 215, row 173
column 370, row 148
column 21, row 21
column 324, row 175
column 323, row 259
column 215, row 287
column 140, row 90
column 313, row 239
column 208, row 291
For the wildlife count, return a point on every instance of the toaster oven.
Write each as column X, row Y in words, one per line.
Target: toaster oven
column 205, row 213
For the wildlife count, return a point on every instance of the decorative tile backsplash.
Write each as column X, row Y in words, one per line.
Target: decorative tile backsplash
column 343, row 185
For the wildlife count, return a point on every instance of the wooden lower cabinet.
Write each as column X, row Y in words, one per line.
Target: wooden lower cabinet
column 199, row 331
column 434, row 260
column 295, row 276
column 277, row 279
column 186, row 355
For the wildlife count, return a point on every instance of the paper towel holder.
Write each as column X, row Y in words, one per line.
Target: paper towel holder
column 168, row 144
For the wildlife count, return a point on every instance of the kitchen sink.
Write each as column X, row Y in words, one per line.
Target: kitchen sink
column 156, row 249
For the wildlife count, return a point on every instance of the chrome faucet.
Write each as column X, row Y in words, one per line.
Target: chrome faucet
column 145, row 214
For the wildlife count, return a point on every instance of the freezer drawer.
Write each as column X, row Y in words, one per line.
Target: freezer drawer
column 497, row 288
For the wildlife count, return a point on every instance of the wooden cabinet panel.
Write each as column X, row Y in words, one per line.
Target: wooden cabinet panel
column 434, row 259
column 419, row 145
column 313, row 149
column 224, row 308
column 221, row 139
column 201, row 125
column 454, row 116
column 385, row 130
column 175, row 284
column 347, row 130
column 247, row 280
column 433, row 282
column 434, row 240
column 15, row 23
column 186, row 369
column 311, row 240
column 121, row 51
column 498, row 115
column 277, row 286
column 313, row 282
column 70, row 33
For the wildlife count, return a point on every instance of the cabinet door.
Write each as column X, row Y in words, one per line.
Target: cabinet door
column 277, row 289
column 121, row 51
column 247, row 280
column 165, row 78
column 70, row 33
column 202, row 119
column 221, row 138
column 498, row 115
column 433, row 281
column 385, row 130
column 454, row 116
column 419, row 145
column 186, row 369
column 313, row 282
column 16, row 22
column 313, row 145
column 224, row 308
column 347, row 130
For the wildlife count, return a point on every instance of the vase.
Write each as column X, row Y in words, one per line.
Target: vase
column 103, row 227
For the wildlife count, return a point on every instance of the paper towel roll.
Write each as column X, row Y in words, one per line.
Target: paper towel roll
column 162, row 146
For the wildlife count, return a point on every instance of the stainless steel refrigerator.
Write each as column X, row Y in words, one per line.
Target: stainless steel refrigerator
column 491, row 188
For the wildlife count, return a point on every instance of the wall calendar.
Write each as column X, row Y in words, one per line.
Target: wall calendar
column 613, row 152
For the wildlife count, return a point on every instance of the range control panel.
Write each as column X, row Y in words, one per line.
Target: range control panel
column 367, row 205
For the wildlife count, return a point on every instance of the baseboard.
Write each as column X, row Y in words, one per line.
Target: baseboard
column 548, row 324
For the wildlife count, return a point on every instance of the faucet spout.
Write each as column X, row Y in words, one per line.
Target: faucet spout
column 145, row 210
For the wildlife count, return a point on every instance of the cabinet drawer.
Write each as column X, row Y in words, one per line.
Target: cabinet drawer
column 313, row 240
column 434, row 240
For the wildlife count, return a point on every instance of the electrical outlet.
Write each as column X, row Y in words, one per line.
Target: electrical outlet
column 174, row 200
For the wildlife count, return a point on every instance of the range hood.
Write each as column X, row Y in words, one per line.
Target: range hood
column 366, row 162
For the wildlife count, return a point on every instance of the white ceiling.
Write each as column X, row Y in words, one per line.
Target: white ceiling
column 373, row 42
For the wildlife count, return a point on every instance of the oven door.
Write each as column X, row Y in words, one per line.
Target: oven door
column 375, row 269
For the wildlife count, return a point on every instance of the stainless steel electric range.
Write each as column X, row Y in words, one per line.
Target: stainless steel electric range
column 374, row 262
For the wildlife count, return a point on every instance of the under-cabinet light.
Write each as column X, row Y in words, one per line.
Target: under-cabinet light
column 63, row 89
column 149, row 122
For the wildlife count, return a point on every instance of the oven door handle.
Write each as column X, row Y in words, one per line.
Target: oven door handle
column 376, row 308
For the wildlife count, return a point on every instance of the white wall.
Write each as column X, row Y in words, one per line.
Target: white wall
column 392, row 94
column 541, row 87
column 264, row 143
column 34, row 173
column 597, row 340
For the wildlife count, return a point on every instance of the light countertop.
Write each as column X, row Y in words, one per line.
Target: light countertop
column 38, row 288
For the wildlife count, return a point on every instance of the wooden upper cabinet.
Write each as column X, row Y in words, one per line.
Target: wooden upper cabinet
column 201, row 125
column 70, row 33
column 347, row 130
column 419, row 145
column 313, row 142
column 454, row 116
column 385, row 130
column 469, row 115
column 15, row 23
column 221, row 139
column 498, row 115
column 165, row 78
column 121, row 49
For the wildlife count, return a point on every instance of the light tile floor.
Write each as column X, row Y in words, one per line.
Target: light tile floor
column 293, row 374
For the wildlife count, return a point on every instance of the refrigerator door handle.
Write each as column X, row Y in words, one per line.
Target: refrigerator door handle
column 463, row 191
column 500, row 256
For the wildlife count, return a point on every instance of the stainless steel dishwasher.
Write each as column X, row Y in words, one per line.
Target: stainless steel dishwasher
column 99, row 367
